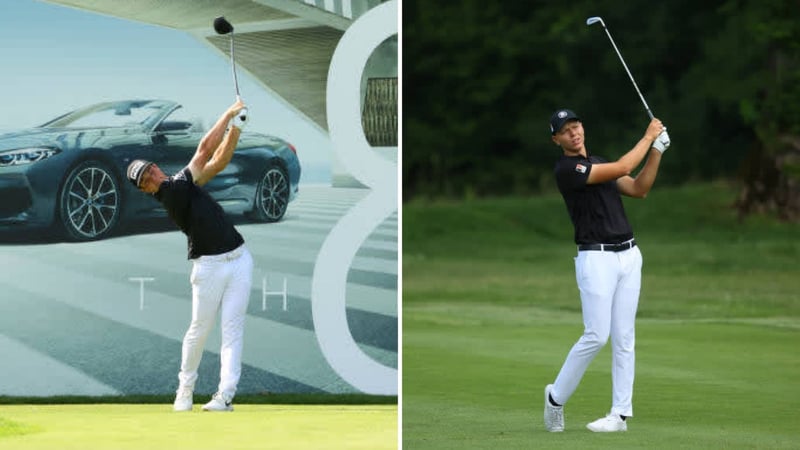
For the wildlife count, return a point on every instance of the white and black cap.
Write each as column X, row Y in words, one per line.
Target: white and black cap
column 136, row 169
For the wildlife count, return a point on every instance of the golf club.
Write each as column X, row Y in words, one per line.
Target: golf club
column 593, row 20
column 222, row 26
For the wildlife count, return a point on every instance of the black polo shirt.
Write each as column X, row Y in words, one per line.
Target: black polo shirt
column 200, row 217
column 595, row 209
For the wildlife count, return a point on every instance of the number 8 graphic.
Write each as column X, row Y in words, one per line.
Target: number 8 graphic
column 328, row 306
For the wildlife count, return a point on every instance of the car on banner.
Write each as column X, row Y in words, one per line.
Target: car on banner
column 70, row 172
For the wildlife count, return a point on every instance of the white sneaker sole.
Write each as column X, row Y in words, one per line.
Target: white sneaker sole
column 217, row 409
column 604, row 430
column 182, row 406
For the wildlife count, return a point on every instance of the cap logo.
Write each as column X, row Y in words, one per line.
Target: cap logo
column 562, row 114
column 136, row 170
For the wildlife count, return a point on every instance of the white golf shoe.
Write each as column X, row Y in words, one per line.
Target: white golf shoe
column 553, row 415
column 219, row 402
column 608, row 424
column 183, row 400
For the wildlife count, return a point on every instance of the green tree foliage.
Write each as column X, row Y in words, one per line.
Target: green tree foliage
column 770, row 106
column 480, row 80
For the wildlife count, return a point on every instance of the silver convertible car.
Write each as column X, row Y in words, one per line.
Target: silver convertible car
column 70, row 172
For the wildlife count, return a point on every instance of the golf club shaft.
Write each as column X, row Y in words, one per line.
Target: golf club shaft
column 233, row 65
column 649, row 113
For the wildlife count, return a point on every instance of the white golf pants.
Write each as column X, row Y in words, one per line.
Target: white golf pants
column 220, row 283
column 609, row 284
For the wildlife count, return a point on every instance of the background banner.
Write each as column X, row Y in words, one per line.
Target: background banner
column 105, row 315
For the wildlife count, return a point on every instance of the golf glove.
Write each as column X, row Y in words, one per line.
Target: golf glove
column 662, row 141
column 241, row 119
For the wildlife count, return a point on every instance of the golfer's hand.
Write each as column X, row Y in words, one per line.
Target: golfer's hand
column 241, row 119
column 662, row 141
column 237, row 114
column 235, row 108
column 654, row 129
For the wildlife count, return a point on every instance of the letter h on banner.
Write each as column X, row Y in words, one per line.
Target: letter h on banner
column 265, row 293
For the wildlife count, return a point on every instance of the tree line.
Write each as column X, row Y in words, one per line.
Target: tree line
column 481, row 79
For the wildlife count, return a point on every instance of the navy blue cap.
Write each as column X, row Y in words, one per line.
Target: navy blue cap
column 559, row 118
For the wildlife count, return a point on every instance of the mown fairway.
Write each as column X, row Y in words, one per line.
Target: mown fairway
column 491, row 308
column 140, row 427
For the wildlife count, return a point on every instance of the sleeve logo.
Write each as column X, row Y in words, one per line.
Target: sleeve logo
column 580, row 168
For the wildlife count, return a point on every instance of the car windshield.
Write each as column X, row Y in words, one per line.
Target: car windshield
column 116, row 114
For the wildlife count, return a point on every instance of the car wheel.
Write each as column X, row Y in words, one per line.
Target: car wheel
column 89, row 204
column 272, row 196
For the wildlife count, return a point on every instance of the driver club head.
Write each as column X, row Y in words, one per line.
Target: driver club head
column 594, row 20
column 222, row 26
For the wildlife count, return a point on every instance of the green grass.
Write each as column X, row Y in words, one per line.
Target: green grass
column 252, row 399
column 490, row 310
column 139, row 427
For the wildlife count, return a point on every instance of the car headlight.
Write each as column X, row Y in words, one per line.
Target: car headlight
column 26, row 156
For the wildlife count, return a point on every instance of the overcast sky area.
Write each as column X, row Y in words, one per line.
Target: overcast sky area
column 56, row 59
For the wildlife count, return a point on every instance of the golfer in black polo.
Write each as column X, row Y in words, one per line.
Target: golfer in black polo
column 608, row 265
column 222, row 267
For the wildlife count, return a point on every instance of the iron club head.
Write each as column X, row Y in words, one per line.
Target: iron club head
column 222, row 26
column 593, row 20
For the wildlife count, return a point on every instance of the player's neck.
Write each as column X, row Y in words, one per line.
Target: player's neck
column 575, row 152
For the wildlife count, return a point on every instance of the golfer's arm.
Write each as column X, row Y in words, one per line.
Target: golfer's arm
column 639, row 187
column 604, row 172
column 221, row 157
column 209, row 145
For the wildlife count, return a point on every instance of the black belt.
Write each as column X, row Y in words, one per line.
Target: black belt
column 608, row 247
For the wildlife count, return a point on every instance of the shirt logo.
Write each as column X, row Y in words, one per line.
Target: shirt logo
column 580, row 168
